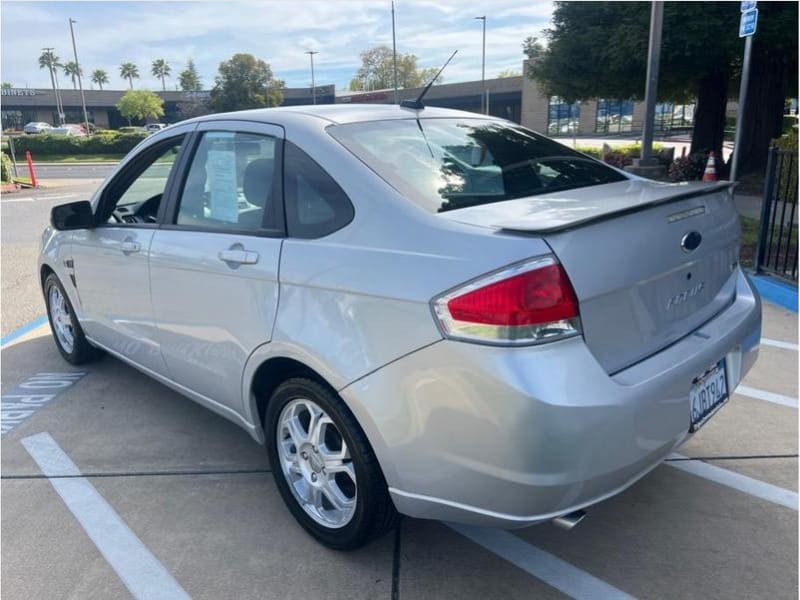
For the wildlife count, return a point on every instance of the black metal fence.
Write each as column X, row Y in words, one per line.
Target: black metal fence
column 777, row 240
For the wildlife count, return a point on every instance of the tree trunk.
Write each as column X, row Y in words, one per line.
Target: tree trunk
column 130, row 80
column 763, row 111
column 709, row 114
column 163, row 84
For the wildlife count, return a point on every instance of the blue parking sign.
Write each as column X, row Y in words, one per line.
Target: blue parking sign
column 748, row 5
column 747, row 24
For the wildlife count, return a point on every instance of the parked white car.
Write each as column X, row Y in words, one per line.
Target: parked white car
column 67, row 130
column 37, row 127
column 154, row 127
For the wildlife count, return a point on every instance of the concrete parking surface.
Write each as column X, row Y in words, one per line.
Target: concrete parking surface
column 114, row 486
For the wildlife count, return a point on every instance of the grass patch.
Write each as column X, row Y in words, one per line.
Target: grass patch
column 747, row 252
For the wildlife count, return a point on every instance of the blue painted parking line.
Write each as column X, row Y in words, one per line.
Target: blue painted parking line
column 777, row 292
column 27, row 328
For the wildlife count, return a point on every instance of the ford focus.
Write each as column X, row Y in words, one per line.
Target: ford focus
column 417, row 311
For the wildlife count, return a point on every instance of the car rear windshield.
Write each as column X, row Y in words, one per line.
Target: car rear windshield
column 444, row 164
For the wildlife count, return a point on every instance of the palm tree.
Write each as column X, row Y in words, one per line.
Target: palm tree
column 99, row 76
column 49, row 60
column 161, row 69
column 129, row 71
column 72, row 70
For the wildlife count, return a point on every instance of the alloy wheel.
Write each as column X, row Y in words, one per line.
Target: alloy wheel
column 61, row 320
column 316, row 463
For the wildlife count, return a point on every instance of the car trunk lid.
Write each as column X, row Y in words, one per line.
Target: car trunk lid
column 650, row 262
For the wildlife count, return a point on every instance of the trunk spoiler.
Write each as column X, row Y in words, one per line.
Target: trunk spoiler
column 613, row 214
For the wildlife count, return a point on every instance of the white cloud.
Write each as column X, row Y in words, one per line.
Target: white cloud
column 277, row 31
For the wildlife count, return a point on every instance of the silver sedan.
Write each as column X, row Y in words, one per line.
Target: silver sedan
column 416, row 310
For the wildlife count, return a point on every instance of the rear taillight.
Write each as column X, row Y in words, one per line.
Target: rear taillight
column 529, row 303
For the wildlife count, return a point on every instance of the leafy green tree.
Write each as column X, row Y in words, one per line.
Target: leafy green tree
column 100, row 77
column 599, row 50
column 189, row 78
column 161, row 69
column 140, row 105
column 244, row 82
column 72, row 70
column 129, row 71
column 6, row 85
column 508, row 73
column 377, row 71
column 773, row 79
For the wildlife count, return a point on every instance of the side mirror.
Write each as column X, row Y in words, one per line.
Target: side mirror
column 75, row 215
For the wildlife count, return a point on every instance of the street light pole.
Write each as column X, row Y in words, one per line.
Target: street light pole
column 311, row 54
column 651, row 89
column 394, row 54
column 484, row 103
column 78, row 67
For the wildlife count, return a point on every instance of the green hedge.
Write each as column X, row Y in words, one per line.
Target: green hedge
column 112, row 142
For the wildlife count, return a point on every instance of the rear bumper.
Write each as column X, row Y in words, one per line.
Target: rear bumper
column 513, row 437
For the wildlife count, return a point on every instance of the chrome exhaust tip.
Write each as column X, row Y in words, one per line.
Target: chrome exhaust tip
column 568, row 521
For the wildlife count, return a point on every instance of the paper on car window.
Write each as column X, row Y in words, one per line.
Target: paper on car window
column 221, row 173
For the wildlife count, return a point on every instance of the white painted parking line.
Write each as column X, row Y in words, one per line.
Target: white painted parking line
column 737, row 481
column 56, row 196
column 137, row 567
column 767, row 396
column 7, row 200
column 555, row 572
column 779, row 344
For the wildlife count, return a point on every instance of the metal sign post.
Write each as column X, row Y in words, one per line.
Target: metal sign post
column 747, row 28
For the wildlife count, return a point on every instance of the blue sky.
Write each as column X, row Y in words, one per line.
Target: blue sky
column 277, row 31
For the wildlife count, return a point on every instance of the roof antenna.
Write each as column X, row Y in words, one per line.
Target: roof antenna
column 417, row 104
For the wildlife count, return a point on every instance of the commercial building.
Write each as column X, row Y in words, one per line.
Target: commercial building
column 24, row 105
column 518, row 99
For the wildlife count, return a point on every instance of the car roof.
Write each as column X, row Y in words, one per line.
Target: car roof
column 346, row 113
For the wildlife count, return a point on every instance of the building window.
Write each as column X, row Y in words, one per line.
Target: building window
column 17, row 119
column 562, row 118
column 614, row 116
column 74, row 115
column 673, row 116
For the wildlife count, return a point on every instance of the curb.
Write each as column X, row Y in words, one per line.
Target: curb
column 776, row 291
column 76, row 164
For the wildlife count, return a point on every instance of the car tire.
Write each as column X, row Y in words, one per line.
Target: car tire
column 67, row 332
column 373, row 513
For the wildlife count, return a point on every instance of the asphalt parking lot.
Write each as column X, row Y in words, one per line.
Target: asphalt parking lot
column 113, row 485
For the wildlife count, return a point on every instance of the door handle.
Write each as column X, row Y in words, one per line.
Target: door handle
column 128, row 246
column 238, row 256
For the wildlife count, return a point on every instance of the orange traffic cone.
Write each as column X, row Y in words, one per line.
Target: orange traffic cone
column 710, row 173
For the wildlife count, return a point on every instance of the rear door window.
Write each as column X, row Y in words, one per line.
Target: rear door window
column 315, row 204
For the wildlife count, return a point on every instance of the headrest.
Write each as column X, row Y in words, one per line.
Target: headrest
column 257, row 183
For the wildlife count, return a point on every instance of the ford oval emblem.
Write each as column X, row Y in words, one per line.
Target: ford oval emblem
column 691, row 241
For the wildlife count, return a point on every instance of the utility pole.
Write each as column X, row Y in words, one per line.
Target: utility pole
column 651, row 89
column 311, row 54
column 484, row 103
column 80, row 84
column 394, row 54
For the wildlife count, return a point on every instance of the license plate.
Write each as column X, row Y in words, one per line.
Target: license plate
column 708, row 393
